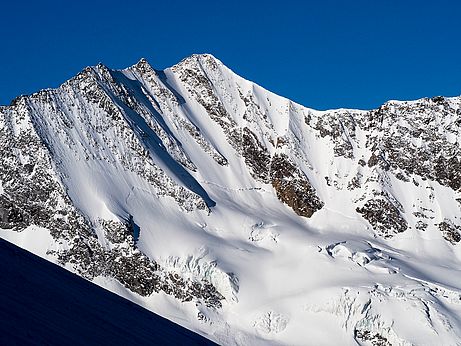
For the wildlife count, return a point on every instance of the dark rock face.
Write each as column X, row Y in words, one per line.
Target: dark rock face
column 32, row 193
column 192, row 74
column 341, row 129
column 450, row 231
column 374, row 339
column 403, row 125
column 256, row 156
column 290, row 183
column 385, row 217
column 293, row 188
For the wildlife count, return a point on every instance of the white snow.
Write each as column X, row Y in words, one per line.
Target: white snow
column 34, row 239
column 286, row 279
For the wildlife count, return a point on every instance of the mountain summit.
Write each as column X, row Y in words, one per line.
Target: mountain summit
column 238, row 213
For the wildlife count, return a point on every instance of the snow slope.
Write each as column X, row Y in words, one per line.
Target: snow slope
column 46, row 305
column 238, row 213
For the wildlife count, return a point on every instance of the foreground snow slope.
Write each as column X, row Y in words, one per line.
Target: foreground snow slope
column 43, row 304
column 238, row 213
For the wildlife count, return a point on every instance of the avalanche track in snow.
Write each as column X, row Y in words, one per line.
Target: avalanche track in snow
column 238, row 213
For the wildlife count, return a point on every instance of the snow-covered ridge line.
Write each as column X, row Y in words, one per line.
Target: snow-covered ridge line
column 239, row 213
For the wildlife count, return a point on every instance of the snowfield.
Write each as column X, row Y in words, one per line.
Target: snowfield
column 237, row 213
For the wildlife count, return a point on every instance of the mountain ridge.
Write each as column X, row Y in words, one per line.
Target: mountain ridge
column 144, row 60
column 165, row 186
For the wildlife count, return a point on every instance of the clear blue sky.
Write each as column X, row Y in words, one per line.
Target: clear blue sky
column 323, row 54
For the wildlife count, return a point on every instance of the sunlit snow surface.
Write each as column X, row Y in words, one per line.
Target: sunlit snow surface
column 325, row 280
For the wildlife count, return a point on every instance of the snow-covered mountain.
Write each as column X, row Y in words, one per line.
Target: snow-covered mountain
column 240, row 214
